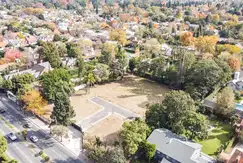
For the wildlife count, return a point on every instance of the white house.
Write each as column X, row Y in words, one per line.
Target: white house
column 237, row 82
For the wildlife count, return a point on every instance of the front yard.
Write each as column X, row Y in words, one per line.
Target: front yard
column 221, row 134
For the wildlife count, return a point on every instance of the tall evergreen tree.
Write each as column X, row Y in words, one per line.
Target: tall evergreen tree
column 63, row 111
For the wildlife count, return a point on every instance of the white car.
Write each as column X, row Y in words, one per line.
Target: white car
column 34, row 139
column 12, row 137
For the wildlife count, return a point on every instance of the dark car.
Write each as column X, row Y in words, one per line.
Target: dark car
column 27, row 125
column 2, row 111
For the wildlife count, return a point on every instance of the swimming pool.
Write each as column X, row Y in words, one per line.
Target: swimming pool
column 239, row 107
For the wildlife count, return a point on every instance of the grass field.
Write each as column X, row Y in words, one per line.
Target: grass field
column 221, row 134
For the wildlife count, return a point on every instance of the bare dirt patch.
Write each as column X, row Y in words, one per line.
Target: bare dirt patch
column 107, row 129
column 132, row 93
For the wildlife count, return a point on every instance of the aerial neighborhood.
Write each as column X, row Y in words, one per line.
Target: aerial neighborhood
column 121, row 81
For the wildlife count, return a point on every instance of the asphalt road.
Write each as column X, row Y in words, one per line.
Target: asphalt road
column 56, row 151
column 18, row 149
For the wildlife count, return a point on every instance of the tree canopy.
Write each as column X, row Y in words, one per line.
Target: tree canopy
column 133, row 134
column 177, row 112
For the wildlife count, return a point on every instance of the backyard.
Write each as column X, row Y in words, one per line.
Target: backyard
column 221, row 133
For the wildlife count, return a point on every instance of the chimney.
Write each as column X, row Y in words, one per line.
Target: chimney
column 236, row 75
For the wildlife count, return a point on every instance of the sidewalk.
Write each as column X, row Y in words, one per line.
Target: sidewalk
column 72, row 142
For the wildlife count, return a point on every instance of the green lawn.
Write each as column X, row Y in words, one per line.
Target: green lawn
column 219, row 135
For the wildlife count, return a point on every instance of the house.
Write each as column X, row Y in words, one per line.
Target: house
column 36, row 70
column 237, row 82
column 171, row 148
column 236, row 157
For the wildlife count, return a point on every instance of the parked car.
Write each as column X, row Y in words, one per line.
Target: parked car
column 2, row 110
column 12, row 137
column 27, row 125
column 34, row 139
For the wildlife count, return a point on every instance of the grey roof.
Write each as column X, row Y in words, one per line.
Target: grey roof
column 177, row 147
column 36, row 70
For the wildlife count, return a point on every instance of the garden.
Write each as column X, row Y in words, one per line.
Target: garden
column 220, row 138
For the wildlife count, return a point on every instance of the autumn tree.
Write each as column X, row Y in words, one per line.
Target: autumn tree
column 225, row 101
column 187, row 39
column 206, row 44
column 234, row 63
column 118, row 35
column 34, row 102
column 133, row 134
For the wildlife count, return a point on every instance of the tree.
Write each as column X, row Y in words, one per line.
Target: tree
column 74, row 50
column 206, row 44
column 178, row 114
column 105, row 58
column 90, row 78
column 152, row 47
column 121, row 57
column 20, row 80
column 118, row 35
column 62, row 50
column 101, row 72
column 204, row 76
column 234, row 63
column 63, row 111
column 53, row 80
column 114, row 155
column 116, row 70
column 57, row 38
column 12, row 54
column 49, row 52
column 81, row 66
column 133, row 134
column 187, row 39
column 24, row 133
column 3, row 145
column 132, row 64
column 157, row 66
column 59, row 131
column 34, row 102
column 150, row 150
column 197, row 126
column 225, row 102
column 143, row 66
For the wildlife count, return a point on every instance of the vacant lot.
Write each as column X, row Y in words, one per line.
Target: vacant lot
column 108, row 129
column 132, row 93
column 220, row 134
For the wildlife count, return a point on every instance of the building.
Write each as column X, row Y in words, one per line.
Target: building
column 172, row 148
column 237, row 82
column 36, row 70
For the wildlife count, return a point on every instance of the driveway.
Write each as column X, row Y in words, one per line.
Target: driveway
column 108, row 109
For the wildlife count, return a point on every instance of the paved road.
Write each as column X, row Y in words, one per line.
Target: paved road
column 108, row 108
column 18, row 149
column 56, row 151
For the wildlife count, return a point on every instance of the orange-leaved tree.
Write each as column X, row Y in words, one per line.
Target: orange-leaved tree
column 206, row 44
column 187, row 38
column 234, row 63
column 34, row 102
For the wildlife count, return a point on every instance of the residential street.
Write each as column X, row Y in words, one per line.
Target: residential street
column 56, row 151
column 18, row 149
